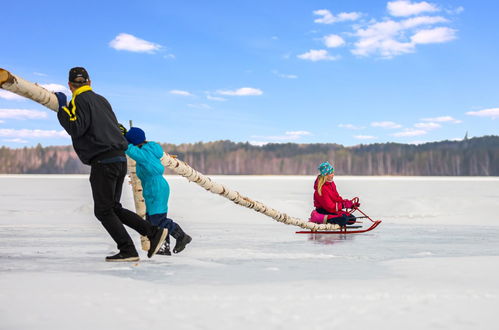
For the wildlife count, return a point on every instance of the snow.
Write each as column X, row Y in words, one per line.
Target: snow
column 432, row 264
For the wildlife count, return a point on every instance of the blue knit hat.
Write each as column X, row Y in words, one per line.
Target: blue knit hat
column 135, row 136
column 326, row 168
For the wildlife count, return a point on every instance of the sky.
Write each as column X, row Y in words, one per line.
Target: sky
column 346, row 72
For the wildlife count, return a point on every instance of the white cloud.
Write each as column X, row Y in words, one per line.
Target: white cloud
column 10, row 96
column 443, row 119
column 455, row 11
column 288, row 136
column 413, row 22
column 297, row 134
column 17, row 140
column 389, row 38
column 386, row 124
column 409, row 132
column 432, row 36
column 128, row 42
column 427, row 126
column 180, row 92
column 350, row 126
column 1, row 121
column 29, row 133
column 39, row 74
column 56, row 88
column 258, row 143
column 244, row 91
column 365, row 137
column 22, row 114
column 408, row 8
column 317, row 55
column 329, row 18
column 492, row 113
column 215, row 98
column 333, row 40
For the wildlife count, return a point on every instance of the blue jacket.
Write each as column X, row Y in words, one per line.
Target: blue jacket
column 156, row 190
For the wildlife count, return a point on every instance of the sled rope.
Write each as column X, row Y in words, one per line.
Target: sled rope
column 19, row 86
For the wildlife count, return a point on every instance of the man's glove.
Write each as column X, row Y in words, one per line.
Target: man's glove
column 122, row 129
column 61, row 99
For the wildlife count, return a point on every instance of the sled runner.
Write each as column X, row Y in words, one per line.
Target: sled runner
column 348, row 229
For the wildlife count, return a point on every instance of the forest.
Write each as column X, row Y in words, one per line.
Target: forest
column 469, row 157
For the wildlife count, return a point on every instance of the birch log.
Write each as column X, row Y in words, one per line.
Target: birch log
column 138, row 199
column 19, row 86
column 40, row 95
column 192, row 175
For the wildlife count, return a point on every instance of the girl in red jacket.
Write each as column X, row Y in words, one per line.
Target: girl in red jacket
column 329, row 205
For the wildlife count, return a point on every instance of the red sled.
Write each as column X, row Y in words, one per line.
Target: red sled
column 352, row 229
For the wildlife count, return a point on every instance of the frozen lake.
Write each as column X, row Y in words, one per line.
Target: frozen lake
column 432, row 264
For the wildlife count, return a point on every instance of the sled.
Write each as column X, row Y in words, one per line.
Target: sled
column 348, row 229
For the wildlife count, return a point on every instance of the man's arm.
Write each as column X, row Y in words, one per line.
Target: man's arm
column 74, row 118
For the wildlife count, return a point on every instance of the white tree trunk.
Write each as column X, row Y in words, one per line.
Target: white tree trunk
column 192, row 175
column 138, row 199
column 19, row 86
column 40, row 95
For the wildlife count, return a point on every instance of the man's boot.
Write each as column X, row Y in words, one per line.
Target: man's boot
column 121, row 256
column 182, row 239
column 157, row 239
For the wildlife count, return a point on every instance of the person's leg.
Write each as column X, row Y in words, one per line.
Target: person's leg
column 338, row 220
column 181, row 239
column 155, row 234
column 103, row 180
column 161, row 220
column 127, row 217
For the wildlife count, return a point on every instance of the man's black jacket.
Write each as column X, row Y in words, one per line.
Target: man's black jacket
column 92, row 125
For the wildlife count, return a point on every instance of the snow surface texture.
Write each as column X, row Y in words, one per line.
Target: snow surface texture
column 432, row 264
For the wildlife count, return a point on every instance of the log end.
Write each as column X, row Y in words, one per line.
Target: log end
column 4, row 76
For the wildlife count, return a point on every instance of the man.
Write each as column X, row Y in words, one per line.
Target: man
column 98, row 142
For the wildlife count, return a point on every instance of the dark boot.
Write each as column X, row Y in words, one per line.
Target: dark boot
column 182, row 239
column 156, row 239
column 123, row 257
column 165, row 248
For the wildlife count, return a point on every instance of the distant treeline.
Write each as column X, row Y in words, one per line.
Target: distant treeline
column 476, row 156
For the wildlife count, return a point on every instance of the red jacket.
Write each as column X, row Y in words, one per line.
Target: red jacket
column 330, row 200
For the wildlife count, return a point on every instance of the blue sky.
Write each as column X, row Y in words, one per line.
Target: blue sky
column 347, row 72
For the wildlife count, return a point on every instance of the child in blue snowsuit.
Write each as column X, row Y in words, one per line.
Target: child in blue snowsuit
column 155, row 188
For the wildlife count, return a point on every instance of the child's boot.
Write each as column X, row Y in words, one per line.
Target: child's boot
column 182, row 239
column 165, row 248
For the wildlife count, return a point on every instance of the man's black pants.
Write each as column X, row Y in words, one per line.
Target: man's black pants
column 106, row 181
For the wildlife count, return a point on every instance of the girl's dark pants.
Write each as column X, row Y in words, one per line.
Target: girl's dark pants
column 106, row 180
column 342, row 220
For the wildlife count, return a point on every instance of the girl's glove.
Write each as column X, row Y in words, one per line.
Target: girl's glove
column 347, row 204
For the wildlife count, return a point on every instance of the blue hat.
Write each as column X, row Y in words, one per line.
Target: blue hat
column 326, row 168
column 135, row 136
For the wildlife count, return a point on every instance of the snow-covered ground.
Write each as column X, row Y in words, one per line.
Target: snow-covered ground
column 432, row 264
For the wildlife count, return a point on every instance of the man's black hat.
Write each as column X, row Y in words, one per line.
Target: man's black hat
column 78, row 75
